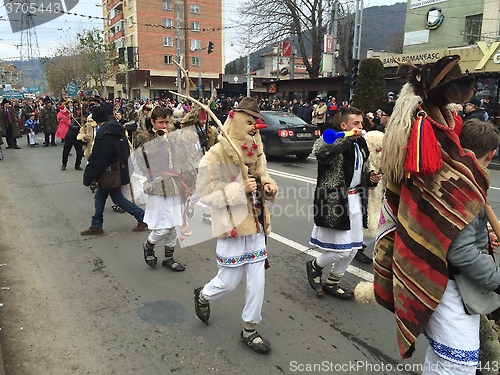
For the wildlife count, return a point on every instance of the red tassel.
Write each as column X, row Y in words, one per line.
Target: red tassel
column 423, row 155
column 234, row 233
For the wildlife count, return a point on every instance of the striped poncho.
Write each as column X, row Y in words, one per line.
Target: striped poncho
column 420, row 218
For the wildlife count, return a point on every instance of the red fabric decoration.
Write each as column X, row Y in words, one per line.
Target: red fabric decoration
column 244, row 146
column 230, row 114
column 202, row 115
column 250, row 153
column 234, row 233
column 458, row 123
column 255, row 146
column 423, row 155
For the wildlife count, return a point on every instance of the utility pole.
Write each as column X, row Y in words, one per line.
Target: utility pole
column 335, row 25
column 125, row 55
column 200, row 82
column 248, row 74
column 292, row 55
column 178, row 45
column 356, row 42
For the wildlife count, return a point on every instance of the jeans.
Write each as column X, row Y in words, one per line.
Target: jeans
column 117, row 197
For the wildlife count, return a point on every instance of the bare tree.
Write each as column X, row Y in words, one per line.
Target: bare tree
column 264, row 23
column 83, row 61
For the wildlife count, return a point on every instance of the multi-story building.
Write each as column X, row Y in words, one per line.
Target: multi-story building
column 468, row 28
column 10, row 76
column 438, row 24
column 154, row 34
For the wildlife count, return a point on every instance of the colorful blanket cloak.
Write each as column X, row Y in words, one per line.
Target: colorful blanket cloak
column 420, row 218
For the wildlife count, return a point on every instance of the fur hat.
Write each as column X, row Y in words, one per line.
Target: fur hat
column 250, row 106
column 5, row 101
column 47, row 100
column 99, row 114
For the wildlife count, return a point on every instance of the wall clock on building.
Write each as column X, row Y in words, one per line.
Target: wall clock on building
column 434, row 18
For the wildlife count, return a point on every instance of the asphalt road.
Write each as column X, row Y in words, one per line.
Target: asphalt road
column 90, row 305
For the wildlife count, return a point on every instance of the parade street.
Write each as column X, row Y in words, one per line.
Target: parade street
column 90, row 304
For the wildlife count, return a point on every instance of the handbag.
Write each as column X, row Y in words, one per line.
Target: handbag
column 110, row 178
column 476, row 299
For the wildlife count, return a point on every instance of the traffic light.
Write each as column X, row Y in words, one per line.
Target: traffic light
column 354, row 72
column 210, row 47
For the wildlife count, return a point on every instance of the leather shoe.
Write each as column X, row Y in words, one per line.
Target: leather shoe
column 46, row 145
column 91, row 231
column 78, row 168
column 140, row 227
column 338, row 292
column 361, row 257
column 63, row 168
column 17, row 147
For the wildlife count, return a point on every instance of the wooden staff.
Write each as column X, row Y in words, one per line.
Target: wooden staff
column 241, row 164
column 492, row 218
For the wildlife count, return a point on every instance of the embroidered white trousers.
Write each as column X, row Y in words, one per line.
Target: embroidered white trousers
column 228, row 278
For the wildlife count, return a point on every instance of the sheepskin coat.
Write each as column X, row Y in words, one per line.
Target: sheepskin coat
column 335, row 171
column 220, row 186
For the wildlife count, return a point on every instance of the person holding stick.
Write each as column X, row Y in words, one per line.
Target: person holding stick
column 233, row 181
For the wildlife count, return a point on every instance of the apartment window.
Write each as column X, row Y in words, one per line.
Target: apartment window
column 168, row 23
column 130, row 4
column 167, row 5
column 195, row 26
column 472, row 32
column 168, row 41
column 195, row 8
column 195, row 44
column 130, row 21
column 131, row 40
column 195, row 61
column 168, row 59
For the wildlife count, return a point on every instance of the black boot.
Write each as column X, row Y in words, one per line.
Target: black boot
column 361, row 257
column 149, row 254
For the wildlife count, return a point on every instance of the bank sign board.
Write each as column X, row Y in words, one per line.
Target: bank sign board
column 422, row 3
column 481, row 58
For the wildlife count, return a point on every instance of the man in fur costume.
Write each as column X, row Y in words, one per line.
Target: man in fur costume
column 241, row 219
column 429, row 200
column 340, row 202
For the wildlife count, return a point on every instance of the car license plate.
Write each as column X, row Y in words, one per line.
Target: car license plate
column 304, row 135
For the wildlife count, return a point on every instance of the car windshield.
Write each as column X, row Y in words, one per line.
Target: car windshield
column 283, row 119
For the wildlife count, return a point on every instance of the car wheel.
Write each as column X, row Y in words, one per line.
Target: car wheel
column 302, row 156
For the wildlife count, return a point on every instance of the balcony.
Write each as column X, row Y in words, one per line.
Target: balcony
column 112, row 4
column 116, row 36
column 115, row 19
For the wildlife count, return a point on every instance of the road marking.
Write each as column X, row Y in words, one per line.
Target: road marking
column 291, row 176
column 306, row 250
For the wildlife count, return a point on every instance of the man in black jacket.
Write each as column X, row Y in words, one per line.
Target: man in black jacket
column 110, row 145
column 71, row 141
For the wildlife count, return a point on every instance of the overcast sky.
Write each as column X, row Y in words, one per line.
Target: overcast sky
column 55, row 32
